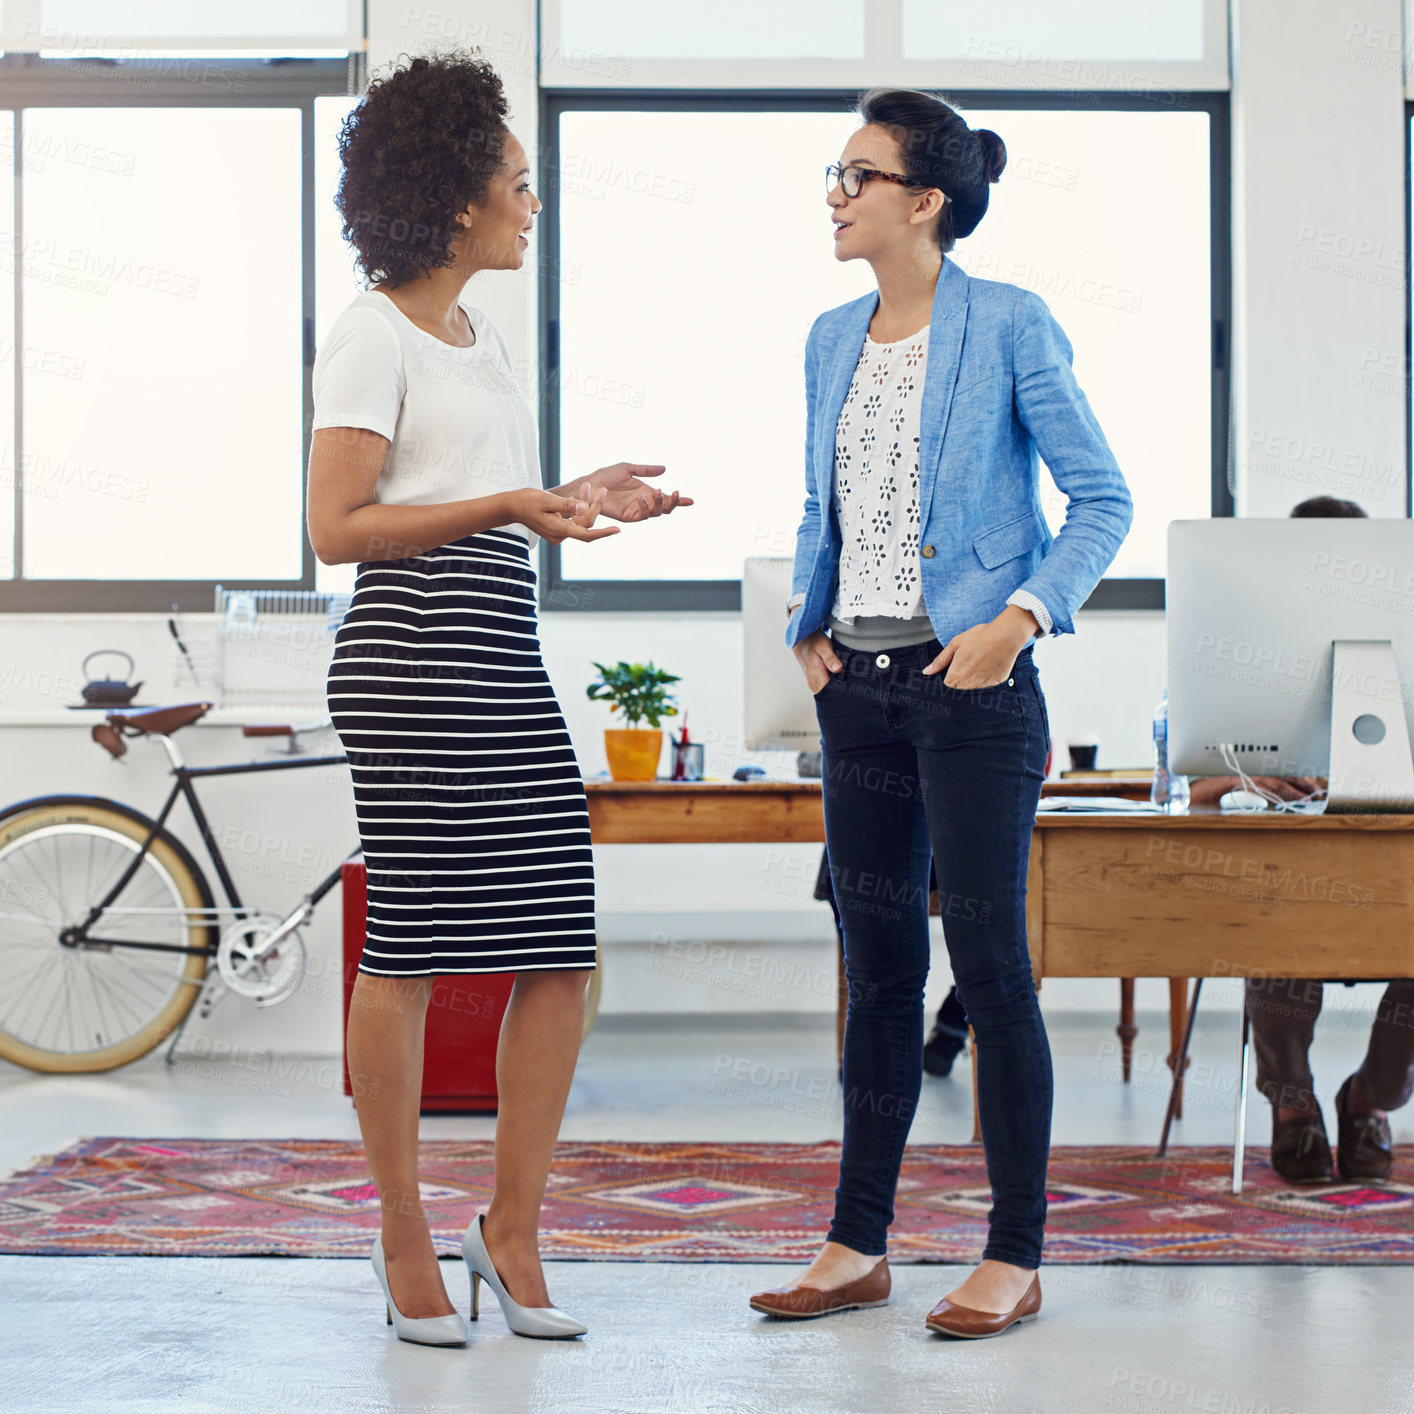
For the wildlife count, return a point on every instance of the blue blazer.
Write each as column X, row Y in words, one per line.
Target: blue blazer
column 997, row 390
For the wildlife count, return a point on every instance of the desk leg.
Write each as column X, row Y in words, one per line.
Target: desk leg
column 1183, row 1057
column 1178, row 1051
column 1126, row 1030
column 1239, row 1141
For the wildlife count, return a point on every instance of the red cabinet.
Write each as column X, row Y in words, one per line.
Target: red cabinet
column 463, row 1016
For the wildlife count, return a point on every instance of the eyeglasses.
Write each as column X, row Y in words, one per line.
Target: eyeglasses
column 852, row 178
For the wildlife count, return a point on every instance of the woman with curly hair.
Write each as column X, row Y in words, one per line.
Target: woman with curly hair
column 424, row 471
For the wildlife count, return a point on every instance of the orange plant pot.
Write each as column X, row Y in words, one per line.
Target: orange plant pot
column 633, row 752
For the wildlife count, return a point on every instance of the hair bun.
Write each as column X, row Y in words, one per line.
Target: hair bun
column 993, row 151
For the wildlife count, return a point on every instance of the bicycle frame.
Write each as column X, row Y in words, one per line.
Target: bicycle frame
column 184, row 786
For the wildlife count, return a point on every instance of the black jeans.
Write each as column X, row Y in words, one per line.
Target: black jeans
column 912, row 767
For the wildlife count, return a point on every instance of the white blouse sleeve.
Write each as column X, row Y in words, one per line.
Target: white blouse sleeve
column 1039, row 612
column 358, row 374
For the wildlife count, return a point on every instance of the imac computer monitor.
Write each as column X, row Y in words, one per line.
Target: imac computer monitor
column 1291, row 643
column 780, row 712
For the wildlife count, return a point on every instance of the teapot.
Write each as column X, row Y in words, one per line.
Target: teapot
column 108, row 692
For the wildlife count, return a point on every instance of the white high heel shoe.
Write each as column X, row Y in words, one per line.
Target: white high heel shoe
column 422, row 1330
column 544, row 1322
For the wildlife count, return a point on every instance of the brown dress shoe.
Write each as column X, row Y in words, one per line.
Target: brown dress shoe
column 1364, row 1147
column 1301, row 1153
column 799, row 1302
column 948, row 1318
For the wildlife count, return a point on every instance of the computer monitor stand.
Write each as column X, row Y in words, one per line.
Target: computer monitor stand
column 1371, row 768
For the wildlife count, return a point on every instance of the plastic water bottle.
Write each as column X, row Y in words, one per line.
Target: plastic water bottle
column 1168, row 790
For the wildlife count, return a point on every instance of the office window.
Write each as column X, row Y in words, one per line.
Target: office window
column 729, row 29
column 689, row 277
column 130, row 27
column 1120, row 202
column 1096, row 30
column 694, row 251
column 7, row 354
column 161, row 289
column 336, row 278
column 160, row 296
column 1105, row 46
column 234, row 17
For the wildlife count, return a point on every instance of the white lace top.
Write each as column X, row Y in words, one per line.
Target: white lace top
column 879, row 596
column 876, row 481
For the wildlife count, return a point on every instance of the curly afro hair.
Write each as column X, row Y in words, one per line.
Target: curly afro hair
column 424, row 141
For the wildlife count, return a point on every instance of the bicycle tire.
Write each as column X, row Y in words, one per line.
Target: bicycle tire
column 172, row 857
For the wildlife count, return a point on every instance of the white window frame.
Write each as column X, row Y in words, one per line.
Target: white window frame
column 883, row 63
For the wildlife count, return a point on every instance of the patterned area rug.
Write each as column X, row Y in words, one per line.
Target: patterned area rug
column 633, row 1202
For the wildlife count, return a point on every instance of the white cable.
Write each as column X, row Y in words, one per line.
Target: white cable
column 1308, row 804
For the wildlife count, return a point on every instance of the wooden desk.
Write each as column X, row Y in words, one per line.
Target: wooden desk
column 1204, row 894
column 705, row 812
column 1211, row 895
column 791, row 812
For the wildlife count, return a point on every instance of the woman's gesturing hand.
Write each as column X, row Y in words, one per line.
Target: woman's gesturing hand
column 817, row 659
column 556, row 518
column 628, row 498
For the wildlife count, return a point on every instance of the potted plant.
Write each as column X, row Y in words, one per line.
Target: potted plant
column 636, row 690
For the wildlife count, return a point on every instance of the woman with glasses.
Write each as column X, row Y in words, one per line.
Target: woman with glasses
column 923, row 573
column 471, row 809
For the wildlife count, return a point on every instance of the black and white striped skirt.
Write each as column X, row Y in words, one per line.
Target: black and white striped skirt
column 471, row 808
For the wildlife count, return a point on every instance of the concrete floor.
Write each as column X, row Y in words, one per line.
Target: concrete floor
column 270, row 1335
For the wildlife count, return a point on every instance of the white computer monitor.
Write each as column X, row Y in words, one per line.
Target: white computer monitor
column 1291, row 641
column 780, row 712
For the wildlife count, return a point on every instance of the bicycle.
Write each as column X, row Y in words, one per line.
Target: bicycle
column 65, row 860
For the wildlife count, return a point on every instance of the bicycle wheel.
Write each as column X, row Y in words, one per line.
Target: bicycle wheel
column 95, row 1006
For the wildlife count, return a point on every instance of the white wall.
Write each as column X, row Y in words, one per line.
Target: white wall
column 1323, row 151
column 1318, row 254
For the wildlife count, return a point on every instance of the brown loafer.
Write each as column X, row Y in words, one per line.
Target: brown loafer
column 949, row 1319
column 800, row 1302
column 1301, row 1150
column 1364, row 1145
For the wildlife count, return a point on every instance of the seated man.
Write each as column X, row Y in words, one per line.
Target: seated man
column 1283, row 1011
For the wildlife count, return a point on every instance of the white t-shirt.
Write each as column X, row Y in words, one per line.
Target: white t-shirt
column 459, row 424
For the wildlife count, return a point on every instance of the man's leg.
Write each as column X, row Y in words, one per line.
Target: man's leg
column 948, row 1039
column 1384, row 1082
column 1283, row 1012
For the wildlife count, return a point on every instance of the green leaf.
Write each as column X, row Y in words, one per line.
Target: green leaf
column 634, row 689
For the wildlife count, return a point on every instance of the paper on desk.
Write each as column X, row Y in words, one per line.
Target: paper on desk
column 1099, row 802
